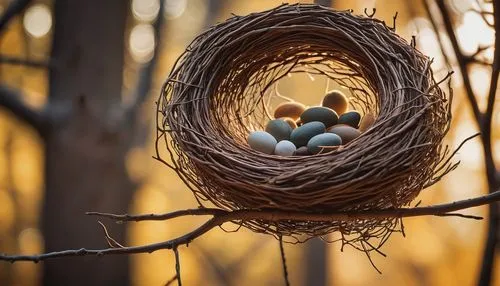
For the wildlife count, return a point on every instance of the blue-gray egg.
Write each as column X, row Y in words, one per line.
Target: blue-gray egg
column 326, row 139
column 285, row 148
column 262, row 141
column 319, row 113
column 301, row 135
column 350, row 118
column 279, row 128
column 346, row 132
column 302, row 151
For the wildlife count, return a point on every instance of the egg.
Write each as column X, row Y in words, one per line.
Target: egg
column 319, row 113
column 302, row 151
column 290, row 122
column 279, row 128
column 289, row 109
column 366, row 122
column 301, row 135
column 262, row 141
column 350, row 118
column 336, row 100
column 326, row 139
column 346, row 132
column 285, row 148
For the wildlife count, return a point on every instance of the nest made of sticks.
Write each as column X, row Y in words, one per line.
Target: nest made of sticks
column 218, row 92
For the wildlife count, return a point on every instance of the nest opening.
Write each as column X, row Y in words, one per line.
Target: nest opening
column 222, row 86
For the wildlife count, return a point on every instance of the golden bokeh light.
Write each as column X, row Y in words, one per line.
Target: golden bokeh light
column 38, row 20
column 145, row 10
column 174, row 8
column 142, row 42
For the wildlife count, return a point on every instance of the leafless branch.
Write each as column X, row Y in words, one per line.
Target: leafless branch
column 177, row 266
column 222, row 216
column 11, row 100
column 461, row 58
column 146, row 73
column 11, row 60
column 283, row 262
column 15, row 7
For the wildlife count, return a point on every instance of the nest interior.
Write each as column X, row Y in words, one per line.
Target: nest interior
column 219, row 91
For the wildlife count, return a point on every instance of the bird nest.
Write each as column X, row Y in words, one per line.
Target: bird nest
column 219, row 91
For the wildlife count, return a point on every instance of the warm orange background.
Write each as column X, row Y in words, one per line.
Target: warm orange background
column 436, row 251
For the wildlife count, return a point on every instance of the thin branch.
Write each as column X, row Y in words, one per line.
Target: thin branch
column 461, row 59
column 11, row 100
column 146, row 73
column 177, row 266
column 283, row 262
column 111, row 241
column 166, row 216
column 14, row 8
column 12, row 60
column 438, row 34
column 269, row 215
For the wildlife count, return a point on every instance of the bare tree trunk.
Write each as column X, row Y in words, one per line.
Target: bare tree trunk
column 85, row 153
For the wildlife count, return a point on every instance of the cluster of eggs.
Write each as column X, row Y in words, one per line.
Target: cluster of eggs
column 297, row 130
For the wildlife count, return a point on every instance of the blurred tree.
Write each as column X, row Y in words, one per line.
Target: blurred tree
column 87, row 133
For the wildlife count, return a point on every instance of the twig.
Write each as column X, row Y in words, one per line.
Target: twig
column 11, row 100
column 14, row 8
column 11, row 60
column 177, row 266
column 166, row 216
column 111, row 241
column 283, row 261
column 146, row 73
column 438, row 34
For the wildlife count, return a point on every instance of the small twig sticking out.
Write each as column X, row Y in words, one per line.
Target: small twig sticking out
column 111, row 241
column 394, row 22
column 177, row 266
column 171, row 280
column 374, row 10
column 283, row 261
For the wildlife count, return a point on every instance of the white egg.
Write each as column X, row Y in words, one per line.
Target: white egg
column 285, row 148
column 262, row 141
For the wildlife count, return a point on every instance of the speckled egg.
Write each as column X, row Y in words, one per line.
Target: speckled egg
column 350, row 118
column 290, row 122
column 301, row 135
column 366, row 122
column 336, row 100
column 289, row 109
column 319, row 113
column 285, row 148
column 302, row 151
column 346, row 132
column 262, row 141
column 279, row 128
column 326, row 139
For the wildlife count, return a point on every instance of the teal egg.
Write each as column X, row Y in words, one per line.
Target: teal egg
column 346, row 132
column 279, row 128
column 350, row 118
column 301, row 135
column 262, row 141
column 326, row 139
column 319, row 113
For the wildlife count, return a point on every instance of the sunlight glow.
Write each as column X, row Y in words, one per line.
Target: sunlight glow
column 145, row 10
column 142, row 42
column 474, row 32
column 37, row 20
column 174, row 8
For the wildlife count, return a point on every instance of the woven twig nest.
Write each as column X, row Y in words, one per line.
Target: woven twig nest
column 219, row 91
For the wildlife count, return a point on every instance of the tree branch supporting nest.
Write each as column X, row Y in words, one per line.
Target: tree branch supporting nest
column 220, row 217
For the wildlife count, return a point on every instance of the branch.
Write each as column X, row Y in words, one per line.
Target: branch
column 461, row 59
column 11, row 100
column 11, row 60
column 221, row 216
column 14, row 8
column 146, row 74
